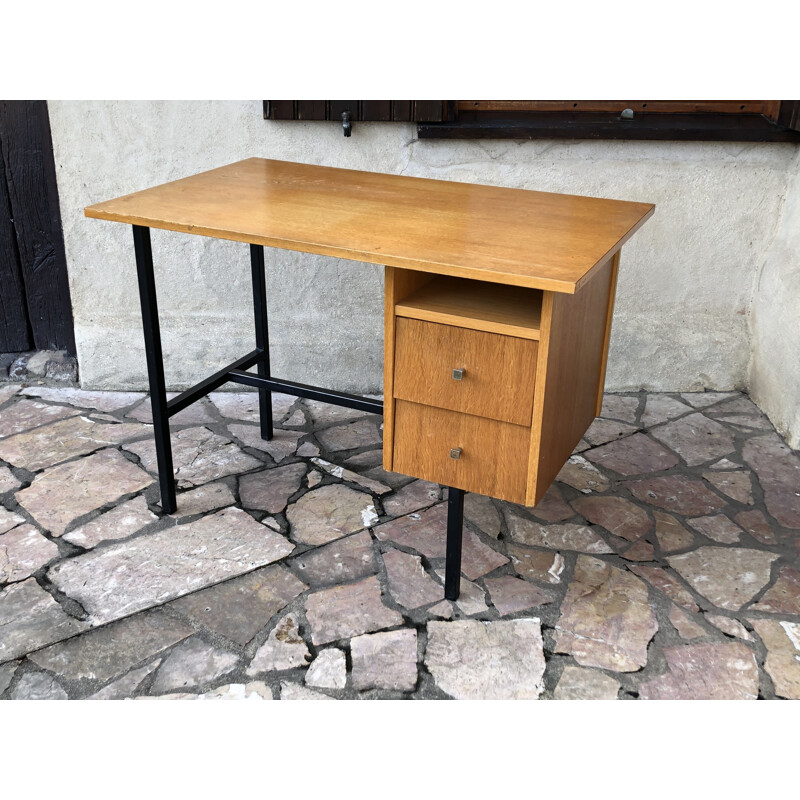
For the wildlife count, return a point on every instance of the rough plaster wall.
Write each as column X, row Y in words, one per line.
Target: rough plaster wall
column 775, row 320
column 684, row 287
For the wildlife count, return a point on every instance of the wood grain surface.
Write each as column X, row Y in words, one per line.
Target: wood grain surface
column 512, row 236
column 498, row 371
column 494, row 455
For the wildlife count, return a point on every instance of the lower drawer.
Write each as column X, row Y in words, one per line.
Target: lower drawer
column 493, row 458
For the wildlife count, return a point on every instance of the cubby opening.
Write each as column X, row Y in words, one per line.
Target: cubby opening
column 479, row 305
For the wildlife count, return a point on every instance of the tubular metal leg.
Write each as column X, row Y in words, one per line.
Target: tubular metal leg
column 455, row 526
column 262, row 336
column 155, row 365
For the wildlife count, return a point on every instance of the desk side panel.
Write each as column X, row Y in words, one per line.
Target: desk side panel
column 398, row 284
column 571, row 363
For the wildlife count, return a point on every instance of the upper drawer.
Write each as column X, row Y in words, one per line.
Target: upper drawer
column 497, row 372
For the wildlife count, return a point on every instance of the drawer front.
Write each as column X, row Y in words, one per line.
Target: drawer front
column 493, row 457
column 497, row 372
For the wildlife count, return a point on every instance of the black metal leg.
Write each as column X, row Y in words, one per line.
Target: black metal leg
column 262, row 336
column 155, row 365
column 455, row 526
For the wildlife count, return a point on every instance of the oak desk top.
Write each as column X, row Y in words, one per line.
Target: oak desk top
column 512, row 236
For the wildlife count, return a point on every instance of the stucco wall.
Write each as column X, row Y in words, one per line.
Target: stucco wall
column 685, row 287
column 775, row 319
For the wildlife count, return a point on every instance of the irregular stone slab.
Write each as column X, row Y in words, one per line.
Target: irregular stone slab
column 342, row 612
column 581, row 446
column 475, row 660
column 313, row 479
column 196, row 414
column 376, row 487
column 747, row 421
column 704, row 399
column 38, row 686
column 426, row 533
column 783, row 597
column 542, row 565
column 696, row 438
column 725, row 463
column 620, row 406
column 7, row 392
column 363, row 461
column 363, row 433
column 30, row 619
column 583, row 476
column 671, row 535
column 676, row 493
column 727, row 576
column 193, row 663
column 408, row 583
column 8, row 669
column 606, row 620
column 100, row 401
column 510, row 594
column 23, row 551
column 9, row 520
column 386, row 660
column 705, row 672
column 755, row 523
column 297, row 420
column 293, row 691
column 730, row 626
column 285, row 648
column 577, row 683
column 198, row 456
column 27, row 414
column 443, row 610
column 239, row 608
column 782, row 640
column 61, row 494
column 124, row 687
column 328, row 513
column 737, row 485
column 108, row 652
column 640, row 551
column 328, row 670
column 282, row 444
column 717, row 527
column 551, row 507
column 687, row 628
column 633, row 455
column 606, row 430
column 666, row 583
column 156, row 567
column 119, row 523
column 8, row 483
column 255, row 690
column 482, row 513
column 243, row 406
column 778, row 470
column 341, row 561
column 737, row 405
column 323, row 415
column 556, row 537
column 307, row 449
column 660, row 407
column 393, row 479
column 75, row 436
column 616, row 515
column 270, row 489
column 204, row 498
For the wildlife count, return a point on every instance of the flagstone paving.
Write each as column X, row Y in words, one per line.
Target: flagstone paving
column 664, row 562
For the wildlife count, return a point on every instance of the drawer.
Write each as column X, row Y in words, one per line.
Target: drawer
column 498, row 372
column 493, row 458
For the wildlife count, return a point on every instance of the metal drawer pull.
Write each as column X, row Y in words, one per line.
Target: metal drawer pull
column 458, row 374
column 455, row 452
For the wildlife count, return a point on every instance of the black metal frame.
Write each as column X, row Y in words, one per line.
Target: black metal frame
column 235, row 372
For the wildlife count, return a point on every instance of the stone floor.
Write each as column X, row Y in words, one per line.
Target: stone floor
column 663, row 563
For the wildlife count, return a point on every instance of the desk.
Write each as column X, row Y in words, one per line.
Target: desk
column 497, row 314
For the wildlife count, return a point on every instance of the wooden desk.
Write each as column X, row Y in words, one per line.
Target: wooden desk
column 497, row 315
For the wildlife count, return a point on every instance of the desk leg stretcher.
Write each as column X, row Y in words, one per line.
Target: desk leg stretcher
column 263, row 381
